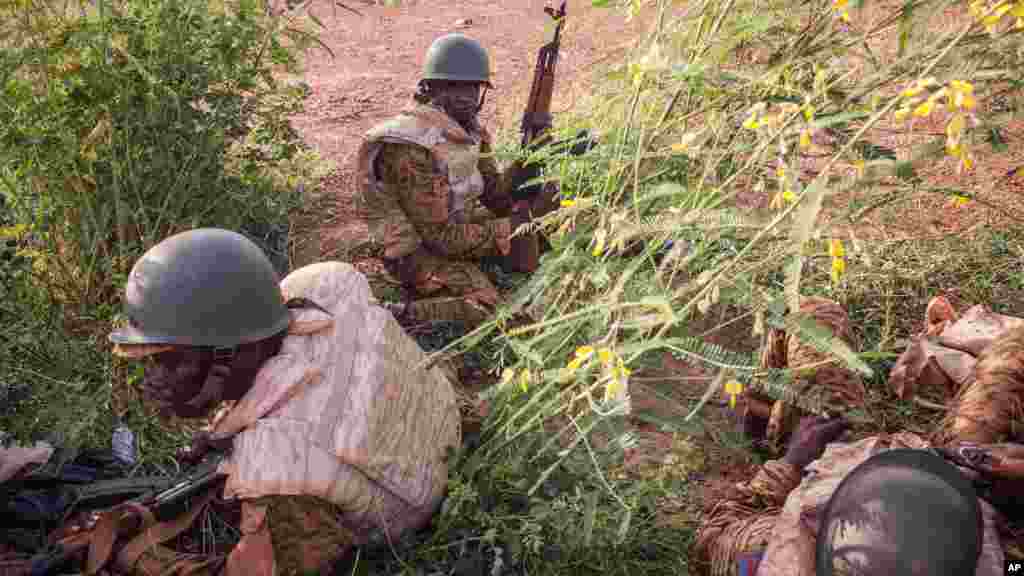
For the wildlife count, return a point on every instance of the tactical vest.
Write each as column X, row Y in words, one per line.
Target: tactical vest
column 456, row 154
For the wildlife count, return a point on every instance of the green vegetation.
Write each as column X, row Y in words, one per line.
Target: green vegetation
column 124, row 123
column 740, row 141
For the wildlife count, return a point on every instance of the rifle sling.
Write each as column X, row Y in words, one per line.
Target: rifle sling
column 161, row 532
column 151, row 533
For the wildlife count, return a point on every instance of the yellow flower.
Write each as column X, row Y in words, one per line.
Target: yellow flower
column 959, row 201
column 860, row 165
column 966, row 162
column 752, row 122
column 605, row 355
column 838, row 268
column 733, row 388
column 836, row 249
column 839, row 7
column 623, row 372
column 918, row 87
column 993, row 19
column 507, row 375
column 901, row 114
column 924, row 109
column 780, row 171
column 960, row 86
column 977, row 8
column 583, row 353
column 962, row 97
column 568, row 203
column 599, row 239
column 805, row 139
column 809, row 113
column 956, row 126
column 524, row 380
column 788, row 195
column 612, row 389
column 912, row 91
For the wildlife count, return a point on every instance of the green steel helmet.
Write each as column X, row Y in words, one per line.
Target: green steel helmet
column 457, row 57
column 204, row 287
column 901, row 512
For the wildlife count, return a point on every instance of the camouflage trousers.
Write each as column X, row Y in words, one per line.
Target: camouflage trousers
column 451, row 290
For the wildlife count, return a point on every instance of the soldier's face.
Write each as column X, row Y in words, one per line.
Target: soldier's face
column 461, row 100
column 174, row 377
column 464, row 91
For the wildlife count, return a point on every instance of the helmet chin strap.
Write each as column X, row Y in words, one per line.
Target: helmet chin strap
column 483, row 98
column 213, row 388
column 225, row 356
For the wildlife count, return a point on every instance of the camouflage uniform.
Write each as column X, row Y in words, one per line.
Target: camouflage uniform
column 436, row 202
column 774, row 516
column 342, row 440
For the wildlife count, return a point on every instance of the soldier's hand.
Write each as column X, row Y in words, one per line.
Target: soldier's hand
column 203, row 443
column 811, row 437
column 520, row 214
column 199, row 447
column 539, row 122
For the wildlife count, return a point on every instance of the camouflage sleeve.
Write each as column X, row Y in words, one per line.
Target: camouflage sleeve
column 741, row 521
column 497, row 186
column 423, row 194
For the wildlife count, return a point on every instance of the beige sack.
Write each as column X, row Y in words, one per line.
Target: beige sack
column 345, row 412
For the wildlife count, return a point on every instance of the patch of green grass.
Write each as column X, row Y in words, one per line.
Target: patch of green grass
column 569, row 526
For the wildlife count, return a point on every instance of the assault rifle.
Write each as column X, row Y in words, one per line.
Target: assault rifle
column 95, row 544
column 525, row 249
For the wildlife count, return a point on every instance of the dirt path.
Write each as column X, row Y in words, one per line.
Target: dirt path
column 377, row 62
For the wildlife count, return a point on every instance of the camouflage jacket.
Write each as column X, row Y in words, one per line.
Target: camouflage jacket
column 782, row 506
column 422, row 175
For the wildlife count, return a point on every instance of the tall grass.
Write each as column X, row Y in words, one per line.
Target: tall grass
column 725, row 136
column 124, row 122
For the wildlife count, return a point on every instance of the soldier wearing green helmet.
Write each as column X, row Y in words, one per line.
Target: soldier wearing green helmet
column 892, row 504
column 434, row 198
column 307, row 374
